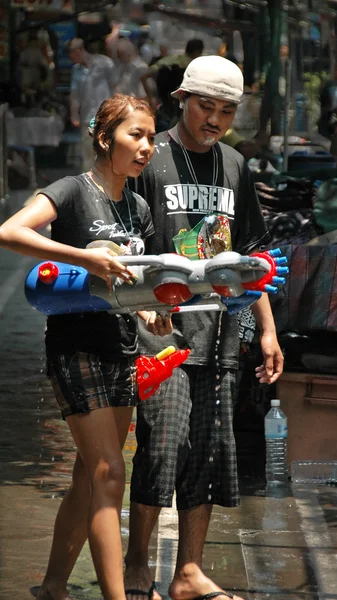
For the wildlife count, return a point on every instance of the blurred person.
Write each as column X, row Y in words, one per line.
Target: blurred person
column 163, row 52
column 130, row 68
column 33, row 65
column 111, row 40
column 169, row 78
column 193, row 49
column 146, row 48
column 185, row 439
column 93, row 79
column 248, row 148
column 327, row 122
column 91, row 355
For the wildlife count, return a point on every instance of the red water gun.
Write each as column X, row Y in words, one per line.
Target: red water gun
column 151, row 371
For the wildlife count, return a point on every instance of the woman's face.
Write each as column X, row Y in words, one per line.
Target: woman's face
column 133, row 144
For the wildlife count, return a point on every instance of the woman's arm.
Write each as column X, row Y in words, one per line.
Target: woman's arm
column 20, row 234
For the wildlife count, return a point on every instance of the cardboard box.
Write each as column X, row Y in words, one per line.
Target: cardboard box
column 310, row 402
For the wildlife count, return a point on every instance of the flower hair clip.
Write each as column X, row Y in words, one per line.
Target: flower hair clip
column 91, row 126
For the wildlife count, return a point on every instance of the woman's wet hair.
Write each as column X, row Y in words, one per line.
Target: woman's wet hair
column 111, row 113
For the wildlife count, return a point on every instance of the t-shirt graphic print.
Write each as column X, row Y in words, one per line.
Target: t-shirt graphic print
column 208, row 238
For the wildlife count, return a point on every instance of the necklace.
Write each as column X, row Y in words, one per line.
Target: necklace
column 190, row 166
column 112, row 204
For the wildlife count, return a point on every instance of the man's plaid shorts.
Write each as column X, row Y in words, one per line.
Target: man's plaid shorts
column 186, row 441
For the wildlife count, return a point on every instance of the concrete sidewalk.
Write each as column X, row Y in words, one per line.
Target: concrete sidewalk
column 277, row 545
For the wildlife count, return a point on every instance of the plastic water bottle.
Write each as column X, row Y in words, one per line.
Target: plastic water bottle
column 300, row 114
column 276, row 434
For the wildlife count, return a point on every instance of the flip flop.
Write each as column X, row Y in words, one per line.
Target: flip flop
column 214, row 595
column 137, row 592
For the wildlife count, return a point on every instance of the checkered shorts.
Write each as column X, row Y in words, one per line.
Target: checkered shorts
column 83, row 382
column 186, row 441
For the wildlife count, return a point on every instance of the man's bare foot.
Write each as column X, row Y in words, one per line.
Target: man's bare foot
column 139, row 585
column 190, row 583
column 43, row 593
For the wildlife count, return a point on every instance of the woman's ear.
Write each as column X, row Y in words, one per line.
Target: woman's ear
column 102, row 142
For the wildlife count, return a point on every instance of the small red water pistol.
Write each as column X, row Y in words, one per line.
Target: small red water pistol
column 151, row 371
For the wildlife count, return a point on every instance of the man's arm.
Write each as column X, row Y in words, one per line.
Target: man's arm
column 272, row 366
column 248, row 148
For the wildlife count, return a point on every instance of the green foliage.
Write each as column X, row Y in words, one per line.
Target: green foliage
column 313, row 82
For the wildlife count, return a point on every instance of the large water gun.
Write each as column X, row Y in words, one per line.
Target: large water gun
column 152, row 371
column 168, row 282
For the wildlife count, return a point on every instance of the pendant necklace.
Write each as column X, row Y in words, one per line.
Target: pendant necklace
column 112, row 204
column 190, row 165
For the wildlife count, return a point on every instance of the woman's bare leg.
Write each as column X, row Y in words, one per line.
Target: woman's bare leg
column 71, row 525
column 97, row 439
column 70, row 533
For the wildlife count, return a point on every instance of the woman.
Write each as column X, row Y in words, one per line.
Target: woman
column 90, row 357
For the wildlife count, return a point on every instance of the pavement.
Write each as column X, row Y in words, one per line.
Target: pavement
column 281, row 543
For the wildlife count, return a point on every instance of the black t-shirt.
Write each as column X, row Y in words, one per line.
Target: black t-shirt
column 177, row 203
column 85, row 214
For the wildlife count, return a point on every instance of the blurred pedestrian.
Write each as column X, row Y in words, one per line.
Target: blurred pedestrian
column 193, row 49
column 93, row 80
column 327, row 122
column 130, row 68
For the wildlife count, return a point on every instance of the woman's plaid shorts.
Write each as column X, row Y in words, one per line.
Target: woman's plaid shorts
column 83, row 382
column 186, row 441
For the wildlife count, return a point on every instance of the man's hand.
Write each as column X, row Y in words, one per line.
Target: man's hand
column 272, row 367
column 155, row 323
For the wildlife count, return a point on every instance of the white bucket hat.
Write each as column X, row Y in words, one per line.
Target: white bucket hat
column 212, row 76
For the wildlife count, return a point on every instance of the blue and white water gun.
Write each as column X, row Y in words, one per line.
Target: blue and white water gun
column 168, row 282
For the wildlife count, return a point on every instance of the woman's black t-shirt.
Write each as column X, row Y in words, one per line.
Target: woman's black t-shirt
column 85, row 214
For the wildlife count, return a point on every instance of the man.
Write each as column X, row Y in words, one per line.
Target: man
column 93, row 80
column 193, row 49
column 184, row 432
column 248, row 148
column 130, row 67
column 163, row 51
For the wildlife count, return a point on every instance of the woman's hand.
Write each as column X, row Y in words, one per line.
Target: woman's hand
column 102, row 262
column 155, row 323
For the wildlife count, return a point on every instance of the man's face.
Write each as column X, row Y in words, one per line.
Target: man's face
column 76, row 56
column 205, row 120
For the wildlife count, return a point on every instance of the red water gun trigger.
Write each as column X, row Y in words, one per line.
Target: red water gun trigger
column 152, row 371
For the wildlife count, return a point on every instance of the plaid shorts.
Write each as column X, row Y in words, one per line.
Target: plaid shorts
column 83, row 382
column 186, row 441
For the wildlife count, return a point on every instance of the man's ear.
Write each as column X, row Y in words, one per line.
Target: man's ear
column 181, row 99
